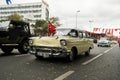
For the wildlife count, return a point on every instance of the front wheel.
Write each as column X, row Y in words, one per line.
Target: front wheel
column 7, row 49
column 23, row 47
column 72, row 55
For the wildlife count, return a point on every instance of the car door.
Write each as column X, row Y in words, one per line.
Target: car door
column 81, row 43
column 86, row 40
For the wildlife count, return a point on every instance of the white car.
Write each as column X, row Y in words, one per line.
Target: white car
column 104, row 42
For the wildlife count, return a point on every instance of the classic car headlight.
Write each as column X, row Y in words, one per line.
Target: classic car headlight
column 30, row 42
column 63, row 42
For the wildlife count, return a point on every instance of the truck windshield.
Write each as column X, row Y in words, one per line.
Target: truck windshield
column 4, row 25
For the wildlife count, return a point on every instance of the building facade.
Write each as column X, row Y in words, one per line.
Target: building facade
column 28, row 11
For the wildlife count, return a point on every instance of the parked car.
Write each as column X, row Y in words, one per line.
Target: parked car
column 66, row 42
column 14, row 34
column 95, row 40
column 113, row 42
column 104, row 42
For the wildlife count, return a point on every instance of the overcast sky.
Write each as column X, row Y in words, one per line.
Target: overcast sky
column 102, row 13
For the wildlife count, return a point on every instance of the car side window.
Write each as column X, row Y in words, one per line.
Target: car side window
column 80, row 34
column 87, row 35
column 73, row 33
column 84, row 35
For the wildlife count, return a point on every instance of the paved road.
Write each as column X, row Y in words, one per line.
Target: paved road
column 102, row 64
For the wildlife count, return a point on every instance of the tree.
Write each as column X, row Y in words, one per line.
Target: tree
column 15, row 16
column 39, row 23
column 40, row 27
column 55, row 21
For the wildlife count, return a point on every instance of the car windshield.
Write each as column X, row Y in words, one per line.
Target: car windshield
column 60, row 32
column 4, row 25
column 103, row 39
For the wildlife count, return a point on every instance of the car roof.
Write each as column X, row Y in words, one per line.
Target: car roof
column 19, row 22
column 69, row 28
column 16, row 22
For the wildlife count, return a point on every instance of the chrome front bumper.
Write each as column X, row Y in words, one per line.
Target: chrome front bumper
column 49, row 51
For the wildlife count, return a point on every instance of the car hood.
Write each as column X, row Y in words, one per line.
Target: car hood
column 47, row 41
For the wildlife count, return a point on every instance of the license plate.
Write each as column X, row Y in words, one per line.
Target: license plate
column 45, row 55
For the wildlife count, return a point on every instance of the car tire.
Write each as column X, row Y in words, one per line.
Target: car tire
column 23, row 47
column 72, row 55
column 7, row 49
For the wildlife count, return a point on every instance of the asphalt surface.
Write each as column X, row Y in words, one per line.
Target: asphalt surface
column 102, row 64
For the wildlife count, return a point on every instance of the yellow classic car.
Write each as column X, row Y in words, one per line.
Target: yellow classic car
column 66, row 42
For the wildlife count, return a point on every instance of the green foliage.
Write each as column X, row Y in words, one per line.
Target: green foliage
column 41, row 26
column 55, row 21
column 15, row 16
column 40, row 23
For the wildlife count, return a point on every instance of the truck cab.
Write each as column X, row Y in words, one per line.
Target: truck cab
column 14, row 34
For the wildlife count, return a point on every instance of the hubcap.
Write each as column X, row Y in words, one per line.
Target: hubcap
column 25, row 46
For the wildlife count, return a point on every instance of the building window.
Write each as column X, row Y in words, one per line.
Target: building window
column 37, row 16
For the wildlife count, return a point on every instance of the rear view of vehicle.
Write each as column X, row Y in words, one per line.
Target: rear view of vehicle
column 14, row 34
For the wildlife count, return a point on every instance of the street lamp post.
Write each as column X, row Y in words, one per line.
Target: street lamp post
column 76, row 17
column 90, row 21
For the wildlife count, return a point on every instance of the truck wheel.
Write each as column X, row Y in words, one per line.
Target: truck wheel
column 7, row 49
column 23, row 47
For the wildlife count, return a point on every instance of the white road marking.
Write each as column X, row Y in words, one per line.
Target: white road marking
column 109, row 49
column 63, row 76
column 87, row 62
column 21, row 55
column 106, row 51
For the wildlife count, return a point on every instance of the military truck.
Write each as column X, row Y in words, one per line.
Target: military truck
column 14, row 34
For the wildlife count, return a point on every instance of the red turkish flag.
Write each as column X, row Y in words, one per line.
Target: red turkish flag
column 51, row 27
